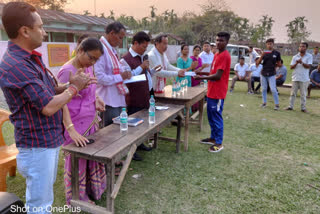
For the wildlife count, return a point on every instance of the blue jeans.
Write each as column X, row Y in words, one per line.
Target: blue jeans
column 272, row 84
column 39, row 167
column 214, row 111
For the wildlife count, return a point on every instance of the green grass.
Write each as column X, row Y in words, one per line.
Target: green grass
column 269, row 158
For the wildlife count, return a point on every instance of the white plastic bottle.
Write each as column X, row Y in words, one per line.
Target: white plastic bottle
column 174, row 89
column 186, row 84
column 152, row 114
column 123, row 120
column 205, row 83
column 178, row 89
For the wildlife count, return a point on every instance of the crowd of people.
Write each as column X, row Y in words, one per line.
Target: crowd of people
column 269, row 72
column 48, row 112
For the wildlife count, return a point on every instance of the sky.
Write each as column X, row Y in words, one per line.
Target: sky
column 282, row 11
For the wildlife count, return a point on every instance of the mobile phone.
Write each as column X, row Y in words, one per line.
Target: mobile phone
column 90, row 141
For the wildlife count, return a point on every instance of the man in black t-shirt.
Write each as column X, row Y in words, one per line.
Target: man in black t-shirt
column 269, row 59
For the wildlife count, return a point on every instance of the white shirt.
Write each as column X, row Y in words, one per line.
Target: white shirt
column 138, row 69
column 301, row 73
column 241, row 69
column 256, row 71
column 168, row 70
column 252, row 57
column 106, row 87
column 206, row 58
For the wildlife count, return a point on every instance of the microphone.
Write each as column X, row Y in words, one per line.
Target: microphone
column 145, row 57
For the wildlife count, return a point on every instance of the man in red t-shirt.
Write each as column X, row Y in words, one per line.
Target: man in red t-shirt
column 217, row 91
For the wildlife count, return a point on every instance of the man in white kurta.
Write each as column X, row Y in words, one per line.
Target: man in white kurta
column 157, row 57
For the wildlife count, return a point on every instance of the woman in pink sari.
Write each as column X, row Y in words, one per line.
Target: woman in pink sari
column 79, row 118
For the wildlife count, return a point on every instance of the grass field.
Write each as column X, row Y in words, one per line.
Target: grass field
column 269, row 159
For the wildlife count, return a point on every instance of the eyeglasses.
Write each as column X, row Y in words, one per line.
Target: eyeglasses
column 91, row 58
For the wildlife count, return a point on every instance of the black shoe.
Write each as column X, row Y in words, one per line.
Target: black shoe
column 136, row 157
column 144, row 148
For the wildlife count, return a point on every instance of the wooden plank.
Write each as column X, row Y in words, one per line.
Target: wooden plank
column 136, row 134
column 123, row 171
column 169, row 139
column 186, row 129
column 201, row 109
column 102, row 138
column 190, row 94
column 155, row 140
column 196, row 114
column 110, row 167
column 178, row 134
column 90, row 208
column 74, row 177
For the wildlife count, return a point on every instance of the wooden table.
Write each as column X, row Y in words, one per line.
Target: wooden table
column 111, row 146
column 188, row 98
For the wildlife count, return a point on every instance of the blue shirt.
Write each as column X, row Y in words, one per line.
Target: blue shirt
column 28, row 88
column 282, row 71
column 315, row 76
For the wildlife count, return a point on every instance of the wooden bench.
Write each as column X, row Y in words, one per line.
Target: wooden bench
column 7, row 155
column 111, row 146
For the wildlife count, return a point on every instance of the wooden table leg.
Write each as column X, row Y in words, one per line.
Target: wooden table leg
column 178, row 134
column 186, row 128
column 110, row 167
column 155, row 140
column 74, row 177
column 201, row 114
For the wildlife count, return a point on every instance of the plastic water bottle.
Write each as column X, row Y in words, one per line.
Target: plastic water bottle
column 183, row 84
column 178, row 89
column 174, row 89
column 152, row 101
column 186, row 84
column 205, row 83
column 123, row 120
column 152, row 114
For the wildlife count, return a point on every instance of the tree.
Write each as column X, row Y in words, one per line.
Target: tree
column 86, row 13
column 102, row 15
column 49, row 4
column 262, row 31
column 153, row 11
column 297, row 30
column 111, row 16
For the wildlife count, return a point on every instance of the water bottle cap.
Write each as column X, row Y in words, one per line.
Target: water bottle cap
column 123, row 109
column 151, row 96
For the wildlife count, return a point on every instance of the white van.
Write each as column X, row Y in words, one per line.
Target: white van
column 238, row 50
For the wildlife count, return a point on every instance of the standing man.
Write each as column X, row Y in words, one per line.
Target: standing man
column 137, row 62
column 316, row 59
column 139, row 92
column 301, row 64
column 110, row 74
column 35, row 101
column 207, row 57
column 252, row 56
column 213, row 48
column 269, row 59
column 217, row 90
column 242, row 73
column 158, row 57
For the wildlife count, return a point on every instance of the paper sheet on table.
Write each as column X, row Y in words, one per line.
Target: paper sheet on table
column 162, row 107
column 190, row 73
column 137, row 78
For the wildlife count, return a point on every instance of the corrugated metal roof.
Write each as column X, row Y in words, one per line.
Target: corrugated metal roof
column 71, row 18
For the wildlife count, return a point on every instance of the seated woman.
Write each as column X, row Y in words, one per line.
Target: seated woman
column 79, row 119
column 185, row 62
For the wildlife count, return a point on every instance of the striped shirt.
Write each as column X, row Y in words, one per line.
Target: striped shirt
column 28, row 88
